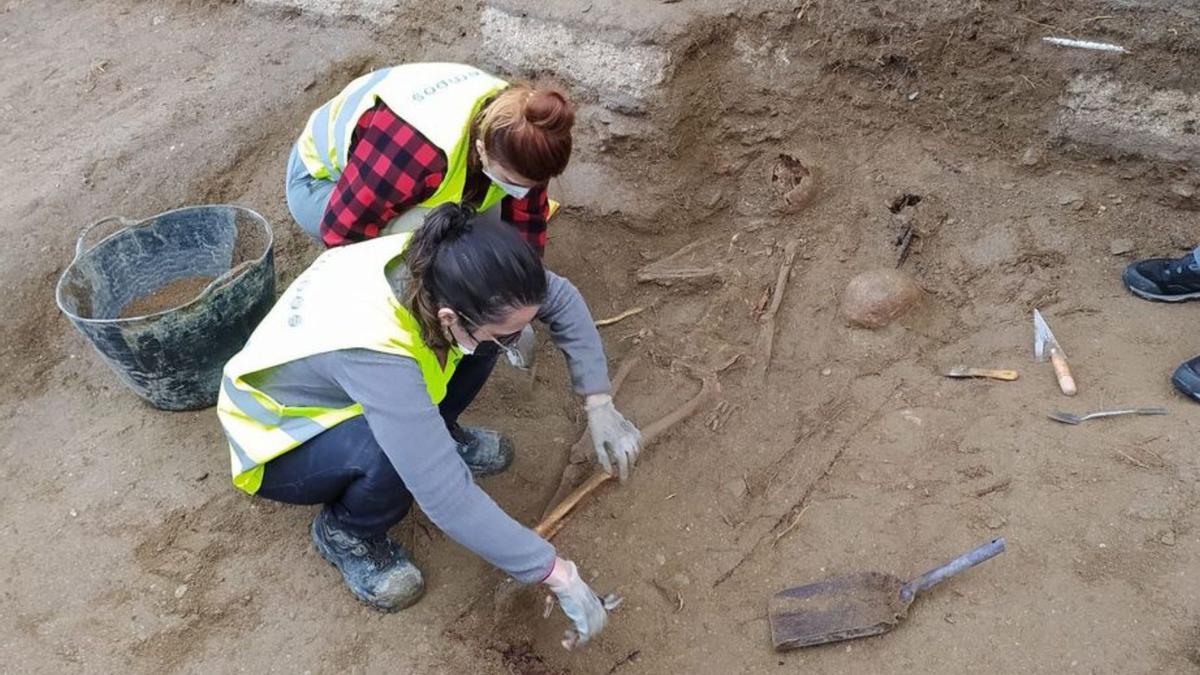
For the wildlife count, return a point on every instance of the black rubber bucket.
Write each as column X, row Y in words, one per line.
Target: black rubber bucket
column 172, row 358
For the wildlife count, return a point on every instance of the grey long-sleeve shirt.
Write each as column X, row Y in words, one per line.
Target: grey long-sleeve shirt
column 409, row 429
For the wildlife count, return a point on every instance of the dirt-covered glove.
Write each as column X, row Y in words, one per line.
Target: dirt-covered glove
column 587, row 611
column 615, row 438
column 522, row 355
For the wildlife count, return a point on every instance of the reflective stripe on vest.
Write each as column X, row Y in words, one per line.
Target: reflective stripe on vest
column 440, row 100
column 316, row 315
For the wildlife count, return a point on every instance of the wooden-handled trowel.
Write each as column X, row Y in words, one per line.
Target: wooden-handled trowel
column 1044, row 345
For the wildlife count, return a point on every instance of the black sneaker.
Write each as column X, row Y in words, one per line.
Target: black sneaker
column 377, row 569
column 1187, row 378
column 1164, row 279
column 486, row 452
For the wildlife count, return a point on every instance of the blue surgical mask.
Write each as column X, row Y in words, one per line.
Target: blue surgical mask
column 516, row 191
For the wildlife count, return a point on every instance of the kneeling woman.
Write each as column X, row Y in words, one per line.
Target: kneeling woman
column 342, row 394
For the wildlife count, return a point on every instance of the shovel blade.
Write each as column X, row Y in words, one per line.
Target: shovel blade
column 839, row 608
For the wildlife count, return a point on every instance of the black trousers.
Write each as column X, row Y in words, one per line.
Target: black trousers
column 346, row 469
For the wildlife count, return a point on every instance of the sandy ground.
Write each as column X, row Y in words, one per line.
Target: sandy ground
column 125, row 548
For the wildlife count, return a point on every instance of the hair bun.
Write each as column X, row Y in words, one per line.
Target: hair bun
column 448, row 221
column 549, row 110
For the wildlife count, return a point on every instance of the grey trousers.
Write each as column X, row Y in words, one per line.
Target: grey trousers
column 307, row 197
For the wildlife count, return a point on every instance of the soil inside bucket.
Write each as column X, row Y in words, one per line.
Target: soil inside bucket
column 174, row 294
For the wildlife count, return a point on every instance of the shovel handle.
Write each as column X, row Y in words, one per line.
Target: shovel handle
column 1062, row 371
column 962, row 563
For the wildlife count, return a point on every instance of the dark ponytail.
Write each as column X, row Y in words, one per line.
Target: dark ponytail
column 479, row 269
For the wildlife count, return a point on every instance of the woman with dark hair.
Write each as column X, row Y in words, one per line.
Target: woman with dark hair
column 346, row 395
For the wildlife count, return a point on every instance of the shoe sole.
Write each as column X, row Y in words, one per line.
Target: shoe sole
column 1147, row 295
column 364, row 600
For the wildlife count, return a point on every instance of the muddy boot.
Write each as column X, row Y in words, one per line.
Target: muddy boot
column 486, row 452
column 1164, row 279
column 1187, row 378
column 376, row 569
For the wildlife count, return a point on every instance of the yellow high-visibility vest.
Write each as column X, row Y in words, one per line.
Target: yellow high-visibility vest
column 342, row 301
column 441, row 100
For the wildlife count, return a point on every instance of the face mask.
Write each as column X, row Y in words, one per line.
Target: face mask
column 516, row 191
column 466, row 351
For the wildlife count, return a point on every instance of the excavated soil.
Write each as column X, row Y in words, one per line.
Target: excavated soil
column 174, row 294
column 855, row 137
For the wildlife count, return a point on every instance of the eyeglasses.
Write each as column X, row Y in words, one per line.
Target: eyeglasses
column 507, row 342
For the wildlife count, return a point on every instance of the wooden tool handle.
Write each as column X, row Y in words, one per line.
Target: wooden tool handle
column 994, row 374
column 547, row 527
column 1063, row 372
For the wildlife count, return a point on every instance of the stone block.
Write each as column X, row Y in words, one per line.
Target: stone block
column 1131, row 118
column 378, row 12
column 623, row 52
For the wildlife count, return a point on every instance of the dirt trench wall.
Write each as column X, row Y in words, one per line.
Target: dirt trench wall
column 663, row 84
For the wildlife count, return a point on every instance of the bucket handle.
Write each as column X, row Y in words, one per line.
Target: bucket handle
column 81, row 248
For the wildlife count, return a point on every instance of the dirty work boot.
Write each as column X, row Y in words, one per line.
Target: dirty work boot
column 1164, row 279
column 376, row 569
column 486, row 452
column 1187, row 378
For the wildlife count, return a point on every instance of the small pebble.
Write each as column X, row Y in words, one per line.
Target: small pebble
column 827, row 372
column 74, row 513
column 1167, row 538
column 1120, row 246
column 735, row 488
column 1032, row 156
column 660, row 559
column 997, row 522
column 180, row 590
column 1069, row 197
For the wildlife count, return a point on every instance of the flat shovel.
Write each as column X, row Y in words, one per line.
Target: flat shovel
column 857, row 605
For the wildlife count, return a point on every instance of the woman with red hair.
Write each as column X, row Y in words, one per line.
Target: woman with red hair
column 399, row 141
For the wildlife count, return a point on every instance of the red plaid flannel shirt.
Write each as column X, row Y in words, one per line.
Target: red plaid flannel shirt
column 391, row 168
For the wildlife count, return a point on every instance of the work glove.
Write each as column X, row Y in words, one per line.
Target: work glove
column 615, row 438
column 522, row 355
column 587, row 611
